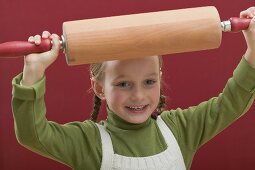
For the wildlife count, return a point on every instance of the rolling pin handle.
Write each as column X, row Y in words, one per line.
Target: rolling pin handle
column 235, row 24
column 22, row 48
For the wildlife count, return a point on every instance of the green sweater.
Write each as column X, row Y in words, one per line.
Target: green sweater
column 78, row 144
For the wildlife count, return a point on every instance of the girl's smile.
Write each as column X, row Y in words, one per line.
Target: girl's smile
column 137, row 109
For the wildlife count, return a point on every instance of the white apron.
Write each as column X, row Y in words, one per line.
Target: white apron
column 169, row 159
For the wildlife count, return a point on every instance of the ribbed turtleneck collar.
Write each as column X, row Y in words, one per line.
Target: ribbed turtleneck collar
column 114, row 121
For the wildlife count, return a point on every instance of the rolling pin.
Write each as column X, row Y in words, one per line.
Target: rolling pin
column 136, row 35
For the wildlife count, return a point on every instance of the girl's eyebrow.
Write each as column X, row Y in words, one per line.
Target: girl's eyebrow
column 152, row 74
column 122, row 76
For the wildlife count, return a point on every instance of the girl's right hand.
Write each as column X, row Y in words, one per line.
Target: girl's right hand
column 36, row 64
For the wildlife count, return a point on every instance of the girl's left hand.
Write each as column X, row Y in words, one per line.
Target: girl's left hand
column 249, row 35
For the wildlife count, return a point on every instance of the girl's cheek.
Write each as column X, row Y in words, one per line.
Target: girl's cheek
column 155, row 94
column 117, row 96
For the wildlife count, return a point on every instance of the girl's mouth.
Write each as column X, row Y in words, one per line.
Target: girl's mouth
column 137, row 108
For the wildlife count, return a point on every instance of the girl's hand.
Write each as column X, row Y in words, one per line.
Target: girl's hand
column 36, row 64
column 250, row 35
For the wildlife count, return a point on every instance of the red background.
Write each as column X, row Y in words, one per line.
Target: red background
column 190, row 77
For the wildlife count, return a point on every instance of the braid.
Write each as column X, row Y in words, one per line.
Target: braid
column 161, row 105
column 96, row 108
column 162, row 102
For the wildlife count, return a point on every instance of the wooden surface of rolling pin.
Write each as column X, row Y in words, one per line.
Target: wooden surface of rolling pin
column 140, row 35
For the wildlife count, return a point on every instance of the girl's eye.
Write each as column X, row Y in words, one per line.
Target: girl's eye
column 124, row 85
column 150, row 82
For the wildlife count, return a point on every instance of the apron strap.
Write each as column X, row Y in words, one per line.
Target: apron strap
column 107, row 149
column 171, row 141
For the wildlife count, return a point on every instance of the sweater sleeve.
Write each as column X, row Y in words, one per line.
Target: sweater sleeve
column 196, row 125
column 75, row 144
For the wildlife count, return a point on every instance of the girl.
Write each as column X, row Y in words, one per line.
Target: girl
column 129, row 138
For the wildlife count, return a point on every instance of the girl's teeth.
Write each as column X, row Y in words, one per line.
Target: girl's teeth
column 136, row 107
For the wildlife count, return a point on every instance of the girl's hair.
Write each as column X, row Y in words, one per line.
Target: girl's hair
column 96, row 72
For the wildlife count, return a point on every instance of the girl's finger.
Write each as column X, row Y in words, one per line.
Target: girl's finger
column 246, row 14
column 252, row 10
column 46, row 34
column 56, row 44
column 37, row 39
column 249, row 13
column 252, row 24
column 54, row 36
column 31, row 39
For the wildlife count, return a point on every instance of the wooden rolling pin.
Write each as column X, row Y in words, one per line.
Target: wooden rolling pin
column 136, row 35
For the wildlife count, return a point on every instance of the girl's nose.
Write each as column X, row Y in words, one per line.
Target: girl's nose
column 138, row 94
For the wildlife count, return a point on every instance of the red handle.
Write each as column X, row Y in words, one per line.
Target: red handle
column 21, row 48
column 239, row 24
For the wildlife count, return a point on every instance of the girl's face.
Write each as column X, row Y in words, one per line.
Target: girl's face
column 131, row 88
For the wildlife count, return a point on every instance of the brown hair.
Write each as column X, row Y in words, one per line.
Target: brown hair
column 96, row 72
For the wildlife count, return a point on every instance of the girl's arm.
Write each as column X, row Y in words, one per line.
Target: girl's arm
column 196, row 125
column 74, row 144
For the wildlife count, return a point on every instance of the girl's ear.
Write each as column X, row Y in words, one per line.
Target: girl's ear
column 97, row 88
